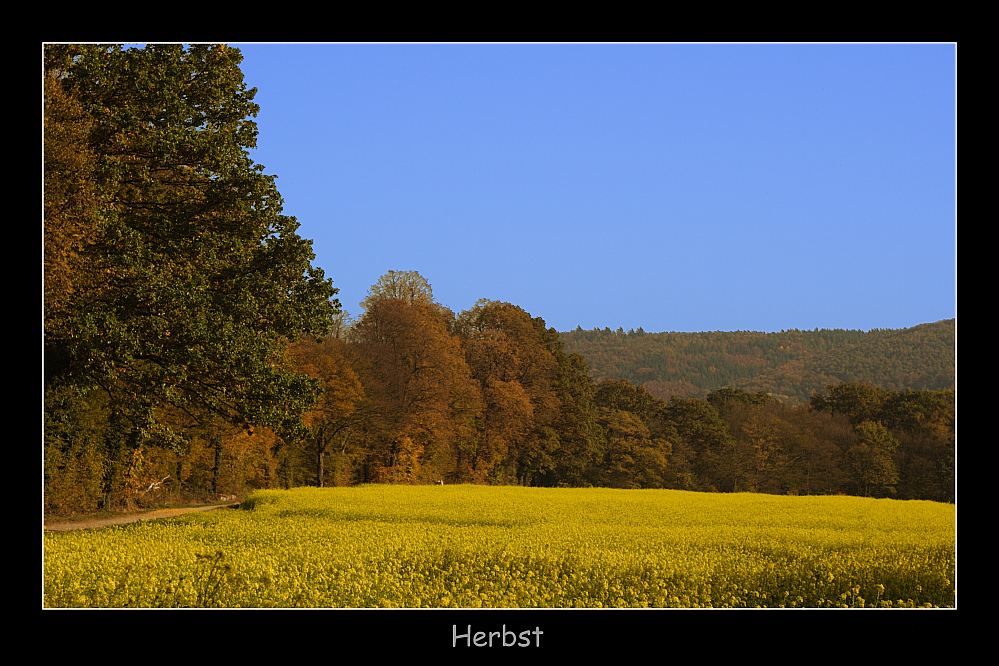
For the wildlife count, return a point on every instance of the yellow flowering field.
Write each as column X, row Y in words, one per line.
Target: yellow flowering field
column 481, row 546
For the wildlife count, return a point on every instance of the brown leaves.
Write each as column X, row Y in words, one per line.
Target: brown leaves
column 71, row 219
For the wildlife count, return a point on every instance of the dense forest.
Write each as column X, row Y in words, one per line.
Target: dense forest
column 193, row 351
column 792, row 365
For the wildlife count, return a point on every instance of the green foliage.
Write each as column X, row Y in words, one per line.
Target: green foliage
column 193, row 279
column 206, row 274
column 858, row 401
column 870, row 460
column 474, row 546
column 75, row 460
column 619, row 394
column 726, row 397
column 633, row 458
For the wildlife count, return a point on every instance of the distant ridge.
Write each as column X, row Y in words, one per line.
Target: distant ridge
column 793, row 364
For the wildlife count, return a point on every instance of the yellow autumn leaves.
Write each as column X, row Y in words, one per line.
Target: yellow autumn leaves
column 480, row 546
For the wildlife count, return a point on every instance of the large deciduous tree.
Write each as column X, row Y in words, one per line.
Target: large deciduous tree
column 540, row 428
column 196, row 277
column 703, row 448
column 419, row 390
column 633, row 458
column 339, row 412
column 871, row 460
column 860, row 401
column 407, row 286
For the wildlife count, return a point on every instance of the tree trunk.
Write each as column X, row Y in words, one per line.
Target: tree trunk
column 217, row 464
column 120, row 440
column 284, row 472
column 112, row 453
column 320, row 471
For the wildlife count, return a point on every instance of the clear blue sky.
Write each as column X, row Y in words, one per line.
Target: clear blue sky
column 673, row 187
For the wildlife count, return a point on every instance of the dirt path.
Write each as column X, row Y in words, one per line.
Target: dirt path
column 93, row 523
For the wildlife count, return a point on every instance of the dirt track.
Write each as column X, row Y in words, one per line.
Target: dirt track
column 89, row 524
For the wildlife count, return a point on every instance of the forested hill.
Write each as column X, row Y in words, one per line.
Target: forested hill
column 792, row 363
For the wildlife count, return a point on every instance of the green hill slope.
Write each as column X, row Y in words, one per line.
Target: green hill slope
column 789, row 363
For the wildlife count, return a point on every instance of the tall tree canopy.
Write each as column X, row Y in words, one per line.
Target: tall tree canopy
column 196, row 277
column 418, row 385
column 540, row 429
column 407, row 286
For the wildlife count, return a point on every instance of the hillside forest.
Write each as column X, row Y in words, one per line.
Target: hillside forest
column 192, row 350
column 792, row 365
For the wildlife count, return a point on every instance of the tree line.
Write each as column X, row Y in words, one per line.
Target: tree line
column 193, row 351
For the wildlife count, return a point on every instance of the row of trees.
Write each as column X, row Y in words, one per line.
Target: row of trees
column 412, row 393
column 192, row 350
column 415, row 394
